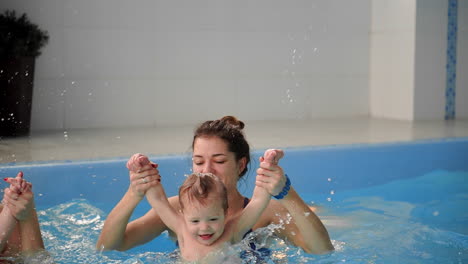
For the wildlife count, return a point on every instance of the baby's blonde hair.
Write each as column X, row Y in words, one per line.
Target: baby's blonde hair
column 199, row 186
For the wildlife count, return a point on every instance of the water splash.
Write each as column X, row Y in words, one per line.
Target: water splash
column 70, row 231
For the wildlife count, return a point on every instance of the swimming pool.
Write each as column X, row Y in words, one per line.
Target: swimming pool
column 382, row 203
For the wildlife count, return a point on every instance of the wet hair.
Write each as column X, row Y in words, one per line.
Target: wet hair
column 199, row 186
column 229, row 129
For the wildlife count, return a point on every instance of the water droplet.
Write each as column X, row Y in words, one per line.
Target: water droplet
column 329, row 179
column 435, row 213
column 329, row 199
column 332, row 192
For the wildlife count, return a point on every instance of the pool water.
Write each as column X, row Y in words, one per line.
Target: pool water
column 417, row 220
column 397, row 203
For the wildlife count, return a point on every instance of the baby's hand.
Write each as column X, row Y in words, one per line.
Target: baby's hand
column 143, row 174
column 271, row 176
column 272, row 156
column 137, row 161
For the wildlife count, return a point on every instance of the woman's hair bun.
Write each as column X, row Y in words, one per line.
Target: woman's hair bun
column 233, row 121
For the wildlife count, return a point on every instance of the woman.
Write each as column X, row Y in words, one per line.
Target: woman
column 219, row 147
column 20, row 234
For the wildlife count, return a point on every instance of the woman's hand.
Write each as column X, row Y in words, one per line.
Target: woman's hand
column 143, row 174
column 271, row 176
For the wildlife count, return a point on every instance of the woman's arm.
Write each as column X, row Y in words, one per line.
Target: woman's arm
column 306, row 230
column 7, row 225
column 113, row 234
column 118, row 233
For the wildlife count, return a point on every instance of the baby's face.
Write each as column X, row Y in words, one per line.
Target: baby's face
column 204, row 222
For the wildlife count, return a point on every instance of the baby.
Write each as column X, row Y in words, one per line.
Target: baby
column 201, row 226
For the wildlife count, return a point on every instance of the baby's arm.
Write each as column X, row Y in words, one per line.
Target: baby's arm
column 156, row 196
column 158, row 200
column 260, row 199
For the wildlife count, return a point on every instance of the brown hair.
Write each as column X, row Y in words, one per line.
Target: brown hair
column 228, row 129
column 198, row 186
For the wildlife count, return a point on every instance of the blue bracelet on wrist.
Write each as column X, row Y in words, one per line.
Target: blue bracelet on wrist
column 285, row 190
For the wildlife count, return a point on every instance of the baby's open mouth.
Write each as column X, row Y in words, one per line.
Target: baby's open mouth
column 206, row 237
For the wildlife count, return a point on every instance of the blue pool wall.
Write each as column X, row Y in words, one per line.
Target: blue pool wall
column 311, row 169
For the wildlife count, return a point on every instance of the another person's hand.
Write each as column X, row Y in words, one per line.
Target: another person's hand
column 143, row 174
column 19, row 197
column 271, row 176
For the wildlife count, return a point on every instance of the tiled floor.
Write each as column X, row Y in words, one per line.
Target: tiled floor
column 107, row 143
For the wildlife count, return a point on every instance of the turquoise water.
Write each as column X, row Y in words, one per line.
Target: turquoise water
column 416, row 220
column 381, row 203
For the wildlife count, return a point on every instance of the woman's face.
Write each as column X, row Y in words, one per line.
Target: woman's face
column 210, row 154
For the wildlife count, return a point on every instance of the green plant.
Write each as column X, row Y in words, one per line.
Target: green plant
column 19, row 37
